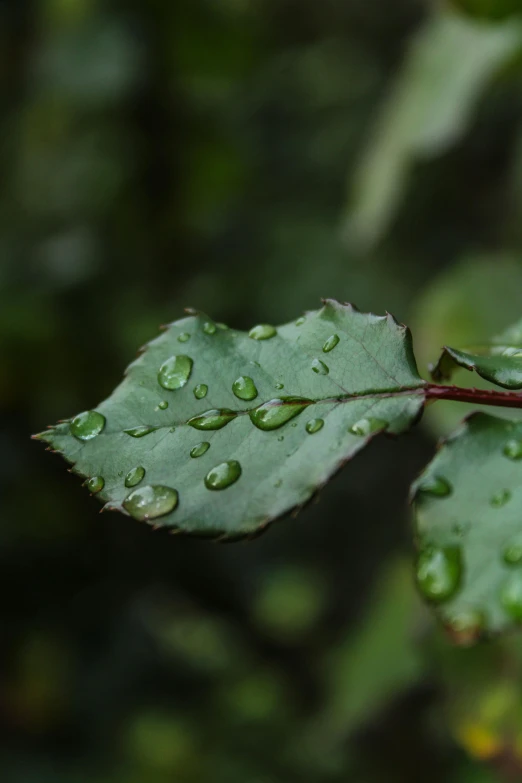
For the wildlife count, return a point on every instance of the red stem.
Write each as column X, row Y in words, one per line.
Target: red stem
column 477, row 396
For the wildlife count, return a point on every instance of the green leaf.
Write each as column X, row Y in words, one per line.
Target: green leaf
column 429, row 109
column 499, row 361
column 232, row 430
column 468, row 505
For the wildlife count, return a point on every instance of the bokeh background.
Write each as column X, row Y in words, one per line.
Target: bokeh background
column 245, row 157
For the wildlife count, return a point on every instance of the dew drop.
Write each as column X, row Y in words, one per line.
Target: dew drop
column 513, row 449
column 500, row 498
column 163, row 405
column 134, row 476
column 87, row 425
column 150, row 502
column 199, row 449
column 140, row 432
column 278, row 483
column 300, row 321
column 511, row 596
column 439, row 572
column 273, row 414
column 512, row 554
column 200, row 391
column 175, row 372
column 184, row 337
column 244, row 388
column 279, row 386
column 331, row 343
column 435, row 485
column 209, row 327
column 262, row 332
column 213, row 419
column 320, row 367
column 281, row 438
column 365, row 427
column 95, row 484
column 314, row 425
column 223, row 475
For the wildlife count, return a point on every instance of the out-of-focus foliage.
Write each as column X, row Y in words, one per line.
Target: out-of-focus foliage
column 433, row 101
column 160, row 154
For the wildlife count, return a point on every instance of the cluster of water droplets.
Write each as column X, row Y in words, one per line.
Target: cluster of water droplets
column 152, row 501
column 440, row 569
column 511, row 591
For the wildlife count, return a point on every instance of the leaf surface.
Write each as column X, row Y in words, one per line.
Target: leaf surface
column 499, row 361
column 286, row 411
column 468, row 506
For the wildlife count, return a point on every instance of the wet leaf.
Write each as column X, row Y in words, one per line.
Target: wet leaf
column 265, row 456
column 469, row 536
column 499, row 361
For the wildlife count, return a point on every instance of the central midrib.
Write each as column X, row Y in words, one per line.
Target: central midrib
column 339, row 399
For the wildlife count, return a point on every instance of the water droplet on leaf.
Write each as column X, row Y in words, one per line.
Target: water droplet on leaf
column 262, row 332
column 300, row 321
column 87, row 425
column 331, row 343
column 314, row 425
column 175, row 372
column 279, row 386
column 500, row 498
column 365, row 427
column 213, row 419
column 209, row 327
column 183, row 337
column 199, row 449
column 320, row 367
column 163, row 405
column 439, row 572
column 513, row 449
column 95, row 484
column 512, row 553
column 134, row 476
column 223, row 475
column 511, row 596
column 274, row 413
column 200, row 391
column 244, row 388
column 140, row 432
column 435, row 485
column 151, row 502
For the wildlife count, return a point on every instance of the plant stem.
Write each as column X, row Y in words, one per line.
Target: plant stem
column 477, row 396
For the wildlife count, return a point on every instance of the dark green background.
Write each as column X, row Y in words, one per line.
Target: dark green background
column 158, row 154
